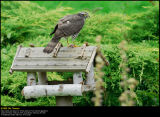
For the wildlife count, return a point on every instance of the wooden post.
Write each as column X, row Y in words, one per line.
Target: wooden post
column 90, row 76
column 42, row 78
column 67, row 100
column 64, row 101
column 31, row 78
column 91, row 60
column 77, row 78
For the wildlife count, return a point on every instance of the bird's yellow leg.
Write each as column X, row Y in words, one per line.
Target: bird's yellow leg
column 74, row 45
column 67, row 42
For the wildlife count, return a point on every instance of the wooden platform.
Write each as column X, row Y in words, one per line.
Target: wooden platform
column 32, row 59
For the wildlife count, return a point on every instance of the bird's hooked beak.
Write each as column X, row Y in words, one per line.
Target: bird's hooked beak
column 86, row 15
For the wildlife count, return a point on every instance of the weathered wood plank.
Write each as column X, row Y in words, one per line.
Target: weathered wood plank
column 50, row 59
column 63, row 52
column 73, row 54
column 50, row 68
column 90, row 76
column 54, row 64
column 76, row 48
column 50, row 62
column 59, row 54
column 91, row 60
column 62, row 49
column 17, row 52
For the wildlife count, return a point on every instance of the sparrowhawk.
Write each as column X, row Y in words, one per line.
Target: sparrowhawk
column 69, row 25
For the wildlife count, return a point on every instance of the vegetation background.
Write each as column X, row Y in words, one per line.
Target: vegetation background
column 31, row 22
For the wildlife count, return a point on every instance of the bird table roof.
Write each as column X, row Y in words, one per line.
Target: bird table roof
column 29, row 59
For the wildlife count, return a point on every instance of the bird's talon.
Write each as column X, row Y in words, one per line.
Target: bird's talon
column 72, row 46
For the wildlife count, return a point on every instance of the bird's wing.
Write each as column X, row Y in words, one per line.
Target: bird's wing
column 71, row 24
column 54, row 30
column 64, row 19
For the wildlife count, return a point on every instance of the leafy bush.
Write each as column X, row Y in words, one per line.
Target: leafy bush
column 21, row 22
column 146, row 25
column 143, row 66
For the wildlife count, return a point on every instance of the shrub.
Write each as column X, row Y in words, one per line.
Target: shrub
column 146, row 25
column 21, row 22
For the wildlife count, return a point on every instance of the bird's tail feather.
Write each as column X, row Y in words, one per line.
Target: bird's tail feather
column 51, row 45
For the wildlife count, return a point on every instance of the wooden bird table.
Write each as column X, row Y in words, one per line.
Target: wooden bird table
column 63, row 59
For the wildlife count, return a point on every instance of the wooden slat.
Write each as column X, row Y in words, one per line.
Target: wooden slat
column 51, row 63
column 62, row 49
column 17, row 52
column 69, row 52
column 49, row 68
column 50, row 59
column 65, row 49
column 59, row 54
column 91, row 60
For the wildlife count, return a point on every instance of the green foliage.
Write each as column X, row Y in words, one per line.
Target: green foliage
column 99, row 7
column 137, row 56
column 21, row 22
column 147, row 25
column 31, row 23
column 17, row 21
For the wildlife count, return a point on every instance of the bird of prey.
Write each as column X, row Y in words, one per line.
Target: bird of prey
column 69, row 25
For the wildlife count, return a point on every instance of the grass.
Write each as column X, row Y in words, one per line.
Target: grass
column 20, row 27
